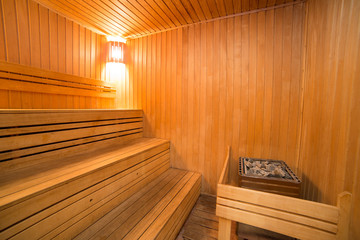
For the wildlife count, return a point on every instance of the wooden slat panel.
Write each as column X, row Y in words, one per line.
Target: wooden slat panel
column 135, row 18
column 10, row 31
column 16, row 142
column 32, row 87
column 105, row 222
column 47, row 133
column 174, row 222
column 17, row 118
column 39, row 154
column 155, row 211
column 123, row 184
column 273, row 224
column 330, row 95
column 47, row 128
column 279, row 214
column 83, row 223
column 21, row 77
column 226, row 96
column 292, row 205
column 182, row 197
column 140, row 215
column 45, row 174
column 114, row 161
column 41, row 38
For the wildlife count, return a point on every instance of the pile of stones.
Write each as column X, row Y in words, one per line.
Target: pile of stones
column 264, row 168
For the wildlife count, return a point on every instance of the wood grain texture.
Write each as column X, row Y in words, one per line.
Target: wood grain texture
column 134, row 18
column 33, row 35
column 293, row 217
column 329, row 155
column 58, row 198
column 217, row 94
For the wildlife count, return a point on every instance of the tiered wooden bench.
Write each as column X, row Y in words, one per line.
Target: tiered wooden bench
column 88, row 174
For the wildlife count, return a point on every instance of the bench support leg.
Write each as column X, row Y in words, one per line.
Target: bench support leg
column 344, row 205
column 224, row 229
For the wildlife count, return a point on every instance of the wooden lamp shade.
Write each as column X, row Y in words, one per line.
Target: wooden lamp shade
column 116, row 52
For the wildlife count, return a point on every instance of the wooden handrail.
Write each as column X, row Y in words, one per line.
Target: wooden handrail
column 17, row 77
column 224, row 177
column 294, row 217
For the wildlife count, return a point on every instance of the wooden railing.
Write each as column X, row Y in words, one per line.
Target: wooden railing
column 294, row 217
column 23, row 78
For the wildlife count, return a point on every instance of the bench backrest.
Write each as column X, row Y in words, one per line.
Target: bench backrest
column 29, row 79
column 28, row 137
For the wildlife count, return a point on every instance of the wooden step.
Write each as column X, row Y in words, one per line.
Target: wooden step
column 72, row 187
column 157, row 211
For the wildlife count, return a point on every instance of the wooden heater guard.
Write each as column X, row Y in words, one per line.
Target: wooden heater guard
column 293, row 217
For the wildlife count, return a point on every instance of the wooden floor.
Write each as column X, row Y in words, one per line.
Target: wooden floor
column 202, row 224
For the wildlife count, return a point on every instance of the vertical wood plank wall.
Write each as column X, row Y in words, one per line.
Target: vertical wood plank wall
column 235, row 81
column 30, row 34
column 330, row 142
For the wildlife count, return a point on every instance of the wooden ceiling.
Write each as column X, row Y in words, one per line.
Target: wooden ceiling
column 135, row 18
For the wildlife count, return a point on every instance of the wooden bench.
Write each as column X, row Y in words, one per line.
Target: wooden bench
column 290, row 216
column 64, row 170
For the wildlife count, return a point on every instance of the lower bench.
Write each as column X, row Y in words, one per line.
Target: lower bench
column 158, row 211
column 133, row 194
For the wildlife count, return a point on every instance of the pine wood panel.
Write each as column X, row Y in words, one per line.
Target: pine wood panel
column 133, row 18
column 32, row 35
column 329, row 159
column 293, row 217
column 220, row 91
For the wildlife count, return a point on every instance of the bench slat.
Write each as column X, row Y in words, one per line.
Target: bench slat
column 292, row 205
column 94, row 229
column 273, row 223
column 49, row 81
column 157, row 212
column 23, row 141
column 323, row 225
column 16, row 189
column 143, row 218
column 177, row 220
column 107, row 195
column 171, row 210
column 34, row 155
column 39, row 200
column 63, row 170
column 124, row 181
column 33, row 71
column 125, row 221
column 161, row 207
column 25, row 78
column 17, row 118
column 24, row 178
column 57, row 127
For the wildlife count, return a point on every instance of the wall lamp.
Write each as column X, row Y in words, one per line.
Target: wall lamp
column 116, row 52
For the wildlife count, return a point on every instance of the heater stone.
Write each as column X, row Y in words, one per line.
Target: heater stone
column 268, row 175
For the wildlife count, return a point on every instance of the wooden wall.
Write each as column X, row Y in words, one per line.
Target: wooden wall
column 234, row 81
column 32, row 35
column 330, row 143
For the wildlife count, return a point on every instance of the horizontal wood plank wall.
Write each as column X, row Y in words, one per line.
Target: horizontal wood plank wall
column 330, row 145
column 30, row 34
column 234, row 81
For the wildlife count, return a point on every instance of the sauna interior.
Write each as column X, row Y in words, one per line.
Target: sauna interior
column 268, row 79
